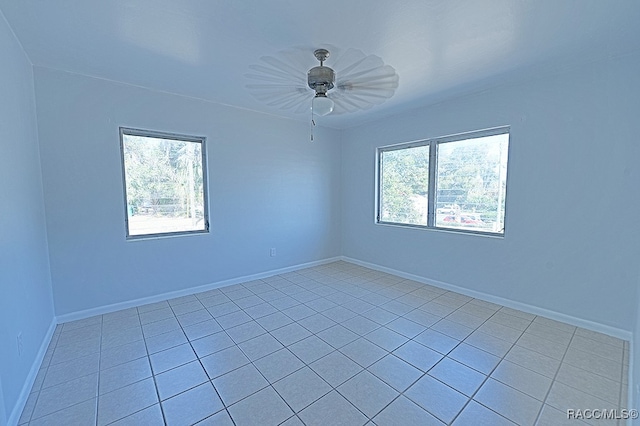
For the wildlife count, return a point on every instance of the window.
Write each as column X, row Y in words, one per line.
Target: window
column 456, row 182
column 165, row 183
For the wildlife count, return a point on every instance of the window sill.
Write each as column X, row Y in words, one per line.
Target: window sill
column 444, row 230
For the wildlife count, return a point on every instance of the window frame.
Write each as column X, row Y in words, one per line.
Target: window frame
column 205, row 192
column 432, row 184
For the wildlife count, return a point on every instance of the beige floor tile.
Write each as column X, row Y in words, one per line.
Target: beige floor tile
column 224, row 361
column 417, row 354
column 403, row 411
column 395, row 372
column 124, row 374
column 437, row 398
column 180, row 379
column 368, row 393
column 458, row 376
column 525, row 380
column 332, row 409
column 191, row 406
column 508, row 402
column 149, row 416
column 598, row 386
column 238, row 384
column 302, row 388
column 278, row 365
column 264, row 407
column 83, row 413
column 125, row 401
column 336, row 368
column 171, row 358
column 534, row 361
column 66, row 394
column 475, row 414
column 475, row 358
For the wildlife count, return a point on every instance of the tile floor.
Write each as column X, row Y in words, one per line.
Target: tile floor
column 333, row 344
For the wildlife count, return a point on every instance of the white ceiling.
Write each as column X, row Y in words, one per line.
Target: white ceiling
column 203, row 48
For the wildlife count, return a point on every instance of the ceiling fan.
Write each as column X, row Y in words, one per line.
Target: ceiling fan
column 354, row 82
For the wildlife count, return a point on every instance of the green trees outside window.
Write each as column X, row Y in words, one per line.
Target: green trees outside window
column 164, row 183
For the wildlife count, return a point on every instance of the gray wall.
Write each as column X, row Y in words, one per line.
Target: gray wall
column 26, row 303
column 269, row 186
column 571, row 243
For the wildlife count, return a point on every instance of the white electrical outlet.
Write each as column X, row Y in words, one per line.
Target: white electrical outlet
column 272, row 252
column 19, row 342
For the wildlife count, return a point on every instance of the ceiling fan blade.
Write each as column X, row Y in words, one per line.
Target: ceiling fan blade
column 276, row 86
column 264, row 73
column 344, row 105
column 365, row 99
column 286, row 94
column 346, row 61
column 373, row 96
column 283, row 66
column 372, row 74
column 287, row 102
column 304, row 106
column 356, row 100
column 281, row 82
column 362, row 81
column 374, row 92
column 278, row 95
column 275, row 92
column 386, row 87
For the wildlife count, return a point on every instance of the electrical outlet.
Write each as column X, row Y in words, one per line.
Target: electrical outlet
column 272, row 252
column 19, row 342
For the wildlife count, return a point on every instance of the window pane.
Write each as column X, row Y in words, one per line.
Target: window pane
column 471, row 178
column 164, row 185
column 404, row 181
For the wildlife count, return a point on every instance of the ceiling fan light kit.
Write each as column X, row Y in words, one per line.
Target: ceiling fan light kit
column 322, row 105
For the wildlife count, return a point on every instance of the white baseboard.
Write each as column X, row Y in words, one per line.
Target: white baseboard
column 535, row 310
column 186, row 292
column 14, row 417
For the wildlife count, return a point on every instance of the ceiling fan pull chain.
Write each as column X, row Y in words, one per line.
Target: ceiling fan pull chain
column 313, row 123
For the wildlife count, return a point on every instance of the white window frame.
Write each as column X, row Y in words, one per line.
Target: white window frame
column 432, row 187
column 171, row 136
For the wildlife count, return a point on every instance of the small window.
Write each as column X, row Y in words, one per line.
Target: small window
column 165, row 183
column 457, row 182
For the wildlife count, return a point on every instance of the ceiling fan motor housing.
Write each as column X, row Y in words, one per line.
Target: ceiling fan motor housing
column 321, row 79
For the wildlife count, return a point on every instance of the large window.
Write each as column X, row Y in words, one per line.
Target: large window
column 456, row 182
column 165, row 183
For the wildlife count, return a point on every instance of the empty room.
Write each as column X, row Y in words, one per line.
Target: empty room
column 244, row 212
